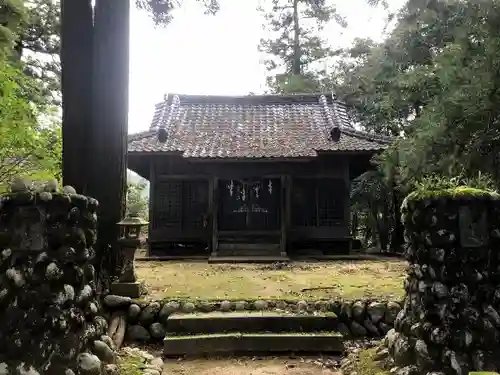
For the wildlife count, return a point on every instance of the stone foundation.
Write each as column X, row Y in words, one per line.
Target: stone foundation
column 146, row 320
column 450, row 320
column 48, row 304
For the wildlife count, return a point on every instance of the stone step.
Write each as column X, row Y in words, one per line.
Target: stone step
column 247, row 258
column 250, row 321
column 251, row 247
column 252, row 343
column 248, row 253
column 242, row 248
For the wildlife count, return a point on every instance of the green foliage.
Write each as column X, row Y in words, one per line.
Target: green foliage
column 370, row 197
column 137, row 201
column 38, row 41
column 438, row 182
column 39, row 44
column 161, row 10
column 435, row 80
column 435, row 186
column 458, row 130
column 27, row 147
column 296, row 50
column 30, row 138
column 12, row 12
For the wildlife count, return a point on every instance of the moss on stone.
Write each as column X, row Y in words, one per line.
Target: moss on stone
column 367, row 365
column 456, row 192
column 131, row 365
column 254, row 335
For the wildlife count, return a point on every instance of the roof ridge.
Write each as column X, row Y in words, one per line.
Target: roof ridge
column 366, row 135
column 253, row 99
column 140, row 135
column 324, row 103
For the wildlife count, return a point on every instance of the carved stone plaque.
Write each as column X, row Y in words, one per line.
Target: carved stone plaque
column 29, row 231
column 473, row 225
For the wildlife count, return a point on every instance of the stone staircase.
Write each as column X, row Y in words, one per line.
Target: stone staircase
column 251, row 332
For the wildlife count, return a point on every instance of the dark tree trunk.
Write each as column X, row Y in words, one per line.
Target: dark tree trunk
column 398, row 234
column 76, row 85
column 297, row 55
column 354, row 225
column 397, row 239
column 111, row 76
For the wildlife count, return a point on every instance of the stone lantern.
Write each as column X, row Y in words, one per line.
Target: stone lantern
column 129, row 241
column 130, row 228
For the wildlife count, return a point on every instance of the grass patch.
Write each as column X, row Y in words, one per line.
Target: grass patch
column 302, row 280
column 131, row 365
column 366, row 365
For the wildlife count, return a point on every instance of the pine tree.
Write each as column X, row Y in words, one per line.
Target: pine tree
column 38, row 46
column 296, row 50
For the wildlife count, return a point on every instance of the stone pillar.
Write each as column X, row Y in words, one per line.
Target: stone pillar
column 450, row 322
column 127, row 285
column 48, row 304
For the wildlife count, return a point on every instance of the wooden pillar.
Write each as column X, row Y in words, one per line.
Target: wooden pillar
column 347, row 201
column 76, row 86
column 283, row 210
column 151, row 205
column 110, row 113
column 286, row 182
column 214, row 198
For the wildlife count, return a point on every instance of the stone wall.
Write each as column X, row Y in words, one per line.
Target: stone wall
column 48, row 304
column 450, row 319
column 146, row 320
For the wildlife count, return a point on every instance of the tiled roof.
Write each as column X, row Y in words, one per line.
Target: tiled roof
column 252, row 126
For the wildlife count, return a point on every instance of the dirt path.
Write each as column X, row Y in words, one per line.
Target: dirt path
column 245, row 367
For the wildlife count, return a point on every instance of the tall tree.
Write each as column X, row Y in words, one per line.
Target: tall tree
column 161, row 10
column 28, row 146
column 296, row 50
column 39, row 42
column 77, row 81
column 390, row 83
column 433, row 80
column 436, row 81
column 110, row 115
column 12, row 13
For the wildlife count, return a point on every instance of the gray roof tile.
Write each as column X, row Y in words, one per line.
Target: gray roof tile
column 268, row 126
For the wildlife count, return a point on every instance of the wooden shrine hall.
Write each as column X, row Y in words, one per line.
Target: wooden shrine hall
column 254, row 175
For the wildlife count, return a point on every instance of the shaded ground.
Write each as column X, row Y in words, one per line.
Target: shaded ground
column 282, row 366
column 346, row 279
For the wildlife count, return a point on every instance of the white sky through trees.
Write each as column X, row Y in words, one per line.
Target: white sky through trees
column 200, row 54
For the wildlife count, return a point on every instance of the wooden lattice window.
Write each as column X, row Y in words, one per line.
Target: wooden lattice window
column 167, row 204
column 304, row 213
column 318, row 202
column 180, row 204
column 331, row 196
column 195, row 202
